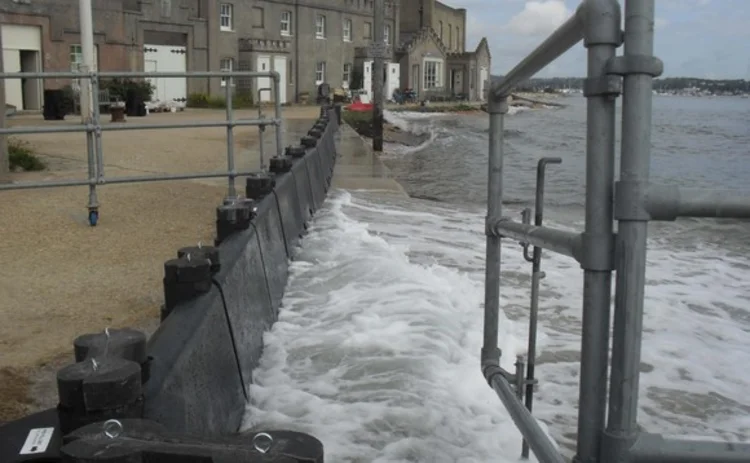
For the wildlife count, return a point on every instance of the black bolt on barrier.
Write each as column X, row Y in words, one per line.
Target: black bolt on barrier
column 296, row 151
column 97, row 389
column 143, row 441
column 231, row 218
column 125, row 343
column 315, row 132
column 280, row 164
column 308, row 141
column 258, row 186
column 205, row 252
column 185, row 279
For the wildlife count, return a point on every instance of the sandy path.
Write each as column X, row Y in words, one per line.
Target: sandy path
column 60, row 278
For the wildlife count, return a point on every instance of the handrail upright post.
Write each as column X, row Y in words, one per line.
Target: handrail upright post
column 536, row 278
column 95, row 86
column 602, row 36
column 639, row 67
column 231, row 190
column 277, row 105
column 497, row 108
column 261, row 130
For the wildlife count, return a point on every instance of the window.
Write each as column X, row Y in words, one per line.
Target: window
column 433, row 73
column 367, row 31
column 387, row 34
column 286, row 23
column 257, row 17
column 320, row 27
column 166, row 8
column 76, row 57
column 450, row 36
column 347, row 30
column 320, row 73
column 458, row 38
column 225, row 17
column 441, row 30
column 226, row 65
column 347, row 77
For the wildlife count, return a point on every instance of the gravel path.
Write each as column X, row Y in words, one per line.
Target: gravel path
column 61, row 278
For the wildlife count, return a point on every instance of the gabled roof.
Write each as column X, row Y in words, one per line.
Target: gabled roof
column 426, row 33
column 486, row 45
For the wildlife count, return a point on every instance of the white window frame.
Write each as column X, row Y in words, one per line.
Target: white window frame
column 347, row 30
column 320, row 72
column 387, row 34
column 286, row 21
column 226, row 65
column 320, row 26
column 347, row 74
column 365, row 34
column 226, row 17
column 438, row 67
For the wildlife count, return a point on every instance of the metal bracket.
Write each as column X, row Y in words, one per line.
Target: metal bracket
column 609, row 85
column 597, row 261
column 635, row 64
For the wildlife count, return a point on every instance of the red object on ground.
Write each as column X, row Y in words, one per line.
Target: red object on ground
column 359, row 106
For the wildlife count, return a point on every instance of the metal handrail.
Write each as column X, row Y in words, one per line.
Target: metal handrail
column 633, row 202
column 93, row 129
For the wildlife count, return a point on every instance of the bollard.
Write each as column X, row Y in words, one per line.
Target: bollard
column 96, row 389
column 280, row 164
column 315, row 132
column 258, row 186
column 141, row 441
column 308, row 141
column 297, row 151
column 231, row 218
column 206, row 252
column 337, row 111
column 125, row 343
column 184, row 279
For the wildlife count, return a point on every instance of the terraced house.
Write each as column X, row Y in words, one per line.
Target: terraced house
column 306, row 41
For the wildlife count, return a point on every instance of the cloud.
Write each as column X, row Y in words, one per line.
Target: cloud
column 539, row 17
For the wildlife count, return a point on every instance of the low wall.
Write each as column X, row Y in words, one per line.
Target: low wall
column 191, row 376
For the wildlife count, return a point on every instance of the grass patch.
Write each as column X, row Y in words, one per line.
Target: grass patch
column 454, row 108
column 22, row 157
column 240, row 100
column 360, row 121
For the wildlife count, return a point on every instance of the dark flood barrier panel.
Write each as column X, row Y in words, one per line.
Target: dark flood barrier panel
column 183, row 392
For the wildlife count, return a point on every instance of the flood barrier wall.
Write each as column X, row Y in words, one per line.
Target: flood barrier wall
column 203, row 354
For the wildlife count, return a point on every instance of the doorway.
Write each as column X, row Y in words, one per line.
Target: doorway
column 30, row 88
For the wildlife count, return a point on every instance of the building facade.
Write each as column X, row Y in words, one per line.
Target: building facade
column 306, row 41
column 433, row 55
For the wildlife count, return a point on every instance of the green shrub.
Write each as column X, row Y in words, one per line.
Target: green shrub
column 119, row 88
column 240, row 100
column 22, row 157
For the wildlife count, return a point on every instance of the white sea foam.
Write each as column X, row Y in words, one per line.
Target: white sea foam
column 377, row 348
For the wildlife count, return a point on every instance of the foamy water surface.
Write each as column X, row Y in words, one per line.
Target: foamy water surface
column 376, row 351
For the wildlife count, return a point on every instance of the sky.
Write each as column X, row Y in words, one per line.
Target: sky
column 694, row 38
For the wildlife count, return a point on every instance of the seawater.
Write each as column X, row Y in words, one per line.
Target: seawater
column 376, row 351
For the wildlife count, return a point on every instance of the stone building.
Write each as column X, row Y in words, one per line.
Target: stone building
column 306, row 41
column 432, row 52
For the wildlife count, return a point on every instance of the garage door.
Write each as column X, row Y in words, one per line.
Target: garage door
column 22, row 46
column 167, row 58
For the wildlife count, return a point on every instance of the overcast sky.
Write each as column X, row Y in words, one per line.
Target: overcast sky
column 696, row 38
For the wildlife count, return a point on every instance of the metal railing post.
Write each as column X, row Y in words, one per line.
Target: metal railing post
column 95, row 86
column 497, row 108
column 262, row 128
column 231, row 190
column 639, row 67
column 602, row 36
column 277, row 105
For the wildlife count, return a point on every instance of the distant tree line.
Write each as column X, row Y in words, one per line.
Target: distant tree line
column 668, row 84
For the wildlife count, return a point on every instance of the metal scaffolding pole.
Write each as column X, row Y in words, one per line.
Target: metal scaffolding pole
column 601, row 38
column 378, row 72
column 639, row 68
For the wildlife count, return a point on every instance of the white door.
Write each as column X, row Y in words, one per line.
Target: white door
column 483, row 77
column 279, row 65
column 16, row 38
column 394, row 79
column 263, row 64
column 367, row 79
column 167, row 58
